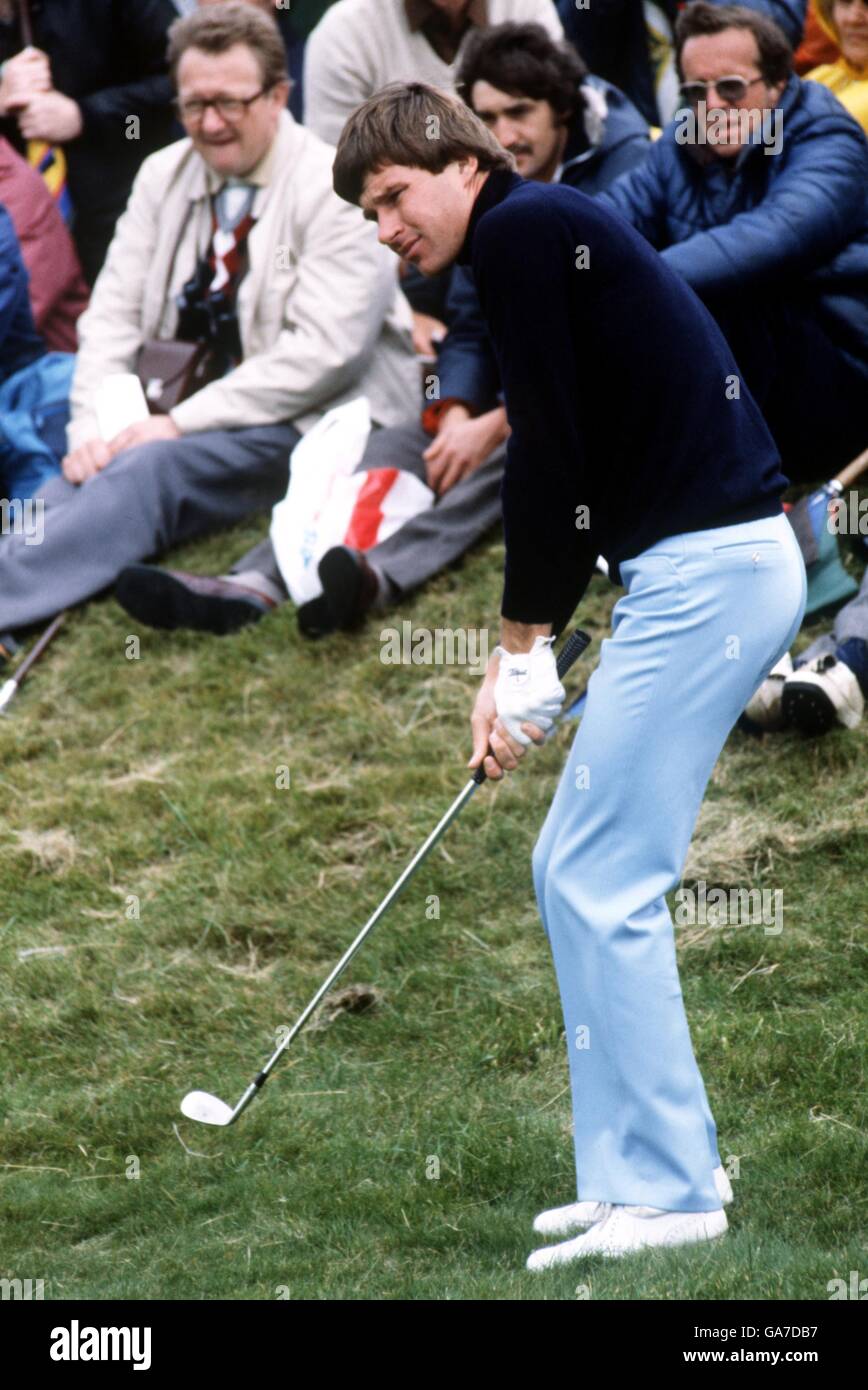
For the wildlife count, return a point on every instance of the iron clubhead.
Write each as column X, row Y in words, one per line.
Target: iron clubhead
column 207, row 1109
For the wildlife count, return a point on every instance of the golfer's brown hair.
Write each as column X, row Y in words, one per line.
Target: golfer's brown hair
column 773, row 48
column 416, row 125
column 217, row 28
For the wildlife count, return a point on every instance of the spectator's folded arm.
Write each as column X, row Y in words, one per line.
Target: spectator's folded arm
column 812, row 210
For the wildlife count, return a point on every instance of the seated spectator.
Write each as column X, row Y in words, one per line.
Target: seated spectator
column 240, row 223
column 58, row 293
column 360, row 46
column 846, row 23
column 773, row 235
column 34, row 384
column 561, row 124
column 631, row 43
column 88, row 77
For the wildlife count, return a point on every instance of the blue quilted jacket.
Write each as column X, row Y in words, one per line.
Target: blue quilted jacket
column 793, row 223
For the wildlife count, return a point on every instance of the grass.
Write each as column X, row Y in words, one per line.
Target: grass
column 401, row 1152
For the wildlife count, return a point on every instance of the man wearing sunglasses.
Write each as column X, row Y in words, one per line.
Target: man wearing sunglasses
column 773, row 236
column 238, row 229
column 775, row 241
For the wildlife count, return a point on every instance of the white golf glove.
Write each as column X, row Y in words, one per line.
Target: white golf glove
column 527, row 690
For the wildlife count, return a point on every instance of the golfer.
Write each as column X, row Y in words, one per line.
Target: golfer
column 632, row 436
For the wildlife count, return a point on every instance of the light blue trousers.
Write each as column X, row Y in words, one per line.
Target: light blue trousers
column 704, row 618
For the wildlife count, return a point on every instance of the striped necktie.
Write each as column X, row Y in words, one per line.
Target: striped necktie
column 232, row 224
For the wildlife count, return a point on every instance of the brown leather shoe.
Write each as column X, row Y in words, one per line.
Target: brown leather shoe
column 171, row 599
column 350, row 588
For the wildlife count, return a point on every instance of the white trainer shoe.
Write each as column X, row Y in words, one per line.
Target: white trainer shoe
column 562, row 1221
column 764, row 710
column 624, row 1230
column 821, row 694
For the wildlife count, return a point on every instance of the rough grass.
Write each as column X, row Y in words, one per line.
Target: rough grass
column 149, row 786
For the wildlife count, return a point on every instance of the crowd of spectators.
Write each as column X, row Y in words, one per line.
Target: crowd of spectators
column 166, row 179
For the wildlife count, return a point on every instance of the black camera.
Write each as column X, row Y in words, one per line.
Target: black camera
column 209, row 318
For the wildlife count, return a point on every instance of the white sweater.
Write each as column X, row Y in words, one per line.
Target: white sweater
column 361, row 45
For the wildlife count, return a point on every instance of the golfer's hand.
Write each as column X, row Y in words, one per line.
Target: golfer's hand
column 144, row 432
column 492, row 745
column 85, row 461
column 51, row 116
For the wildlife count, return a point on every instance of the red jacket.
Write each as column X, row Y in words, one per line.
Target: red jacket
column 58, row 292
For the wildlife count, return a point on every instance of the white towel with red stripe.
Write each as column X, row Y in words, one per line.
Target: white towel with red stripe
column 327, row 503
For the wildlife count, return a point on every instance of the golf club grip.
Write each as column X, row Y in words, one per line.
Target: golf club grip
column 571, row 651
column 569, row 655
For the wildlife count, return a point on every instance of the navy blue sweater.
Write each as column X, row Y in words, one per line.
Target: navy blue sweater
column 616, row 381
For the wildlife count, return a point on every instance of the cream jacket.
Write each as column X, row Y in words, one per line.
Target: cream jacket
column 320, row 313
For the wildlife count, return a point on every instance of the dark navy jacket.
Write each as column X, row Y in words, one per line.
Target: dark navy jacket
column 20, row 343
column 607, row 138
column 620, row 394
column 794, row 222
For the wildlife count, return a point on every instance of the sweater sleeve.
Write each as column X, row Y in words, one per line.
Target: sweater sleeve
column 524, row 261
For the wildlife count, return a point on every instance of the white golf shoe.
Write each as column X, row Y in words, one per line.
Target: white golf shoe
column 764, row 710
column 623, row 1230
column 563, row 1221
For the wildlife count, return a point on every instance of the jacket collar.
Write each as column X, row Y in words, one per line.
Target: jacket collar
column 499, row 184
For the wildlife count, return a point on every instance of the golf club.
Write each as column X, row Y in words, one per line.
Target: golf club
column 210, row 1110
column 11, row 687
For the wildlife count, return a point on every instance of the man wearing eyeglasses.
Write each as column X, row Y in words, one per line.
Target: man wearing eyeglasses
column 241, row 214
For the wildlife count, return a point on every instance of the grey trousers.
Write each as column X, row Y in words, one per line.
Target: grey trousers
column 146, row 500
column 428, row 542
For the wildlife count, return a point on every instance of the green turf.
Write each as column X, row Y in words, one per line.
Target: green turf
column 155, row 779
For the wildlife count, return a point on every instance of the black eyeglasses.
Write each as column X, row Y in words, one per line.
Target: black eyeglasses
column 729, row 89
column 229, row 108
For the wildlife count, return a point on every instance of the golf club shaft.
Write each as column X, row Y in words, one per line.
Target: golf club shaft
column 572, row 649
column 12, row 686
